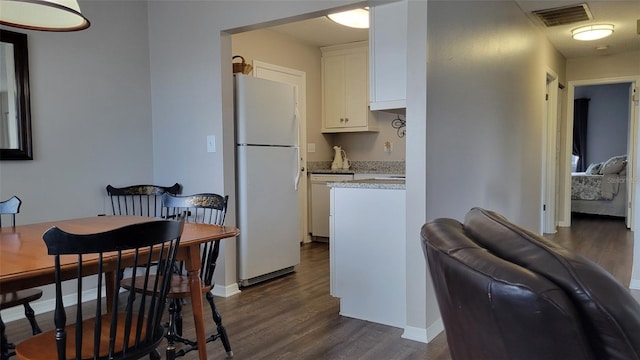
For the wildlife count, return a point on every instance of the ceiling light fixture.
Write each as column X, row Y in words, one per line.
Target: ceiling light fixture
column 592, row 32
column 45, row 15
column 357, row 18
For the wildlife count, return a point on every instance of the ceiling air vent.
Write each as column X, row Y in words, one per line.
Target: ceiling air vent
column 564, row 15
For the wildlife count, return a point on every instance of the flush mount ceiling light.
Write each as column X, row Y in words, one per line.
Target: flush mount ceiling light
column 592, row 32
column 357, row 18
column 45, row 15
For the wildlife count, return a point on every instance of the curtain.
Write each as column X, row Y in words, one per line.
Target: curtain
column 580, row 115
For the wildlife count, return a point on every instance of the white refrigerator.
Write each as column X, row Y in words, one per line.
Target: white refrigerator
column 268, row 173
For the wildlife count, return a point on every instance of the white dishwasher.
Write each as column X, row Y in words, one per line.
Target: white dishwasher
column 320, row 193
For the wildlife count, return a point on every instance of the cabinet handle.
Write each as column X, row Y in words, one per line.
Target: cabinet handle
column 346, row 119
column 341, row 119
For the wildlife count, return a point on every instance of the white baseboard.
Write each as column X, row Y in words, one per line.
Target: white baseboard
column 435, row 329
column 415, row 334
column 47, row 305
column 423, row 335
column 226, row 291
column 635, row 284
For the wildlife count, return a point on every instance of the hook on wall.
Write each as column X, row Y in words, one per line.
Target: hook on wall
column 399, row 125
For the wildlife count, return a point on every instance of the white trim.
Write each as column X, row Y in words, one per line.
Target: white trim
column 549, row 145
column 44, row 306
column 423, row 335
column 226, row 291
column 415, row 334
column 635, row 284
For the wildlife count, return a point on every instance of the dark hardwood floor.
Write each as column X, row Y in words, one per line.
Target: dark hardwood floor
column 294, row 317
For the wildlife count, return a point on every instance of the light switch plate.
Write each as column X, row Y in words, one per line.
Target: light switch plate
column 211, row 143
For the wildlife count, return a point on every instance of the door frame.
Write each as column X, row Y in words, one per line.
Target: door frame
column 632, row 145
column 549, row 159
column 298, row 79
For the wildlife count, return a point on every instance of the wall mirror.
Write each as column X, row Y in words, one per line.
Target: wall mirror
column 15, row 112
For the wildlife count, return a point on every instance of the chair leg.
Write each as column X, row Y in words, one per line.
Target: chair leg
column 222, row 332
column 171, row 331
column 31, row 316
column 155, row 355
column 4, row 342
column 178, row 316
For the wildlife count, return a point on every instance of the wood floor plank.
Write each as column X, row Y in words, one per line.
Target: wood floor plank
column 294, row 317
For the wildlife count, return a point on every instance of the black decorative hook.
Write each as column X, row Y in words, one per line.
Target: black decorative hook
column 399, row 125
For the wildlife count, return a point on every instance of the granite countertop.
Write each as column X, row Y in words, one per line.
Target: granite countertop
column 393, row 184
column 329, row 171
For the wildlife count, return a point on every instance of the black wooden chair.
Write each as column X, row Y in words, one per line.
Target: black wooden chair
column 11, row 207
column 142, row 200
column 200, row 208
column 108, row 331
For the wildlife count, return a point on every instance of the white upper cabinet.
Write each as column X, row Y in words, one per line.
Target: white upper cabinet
column 345, row 85
column 388, row 56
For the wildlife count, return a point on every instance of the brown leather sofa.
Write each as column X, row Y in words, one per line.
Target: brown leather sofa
column 507, row 293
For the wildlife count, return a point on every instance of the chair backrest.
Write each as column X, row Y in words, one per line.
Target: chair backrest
column 142, row 200
column 206, row 208
column 611, row 316
column 120, row 332
column 505, row 292
column 492, row 309
column 10, row 207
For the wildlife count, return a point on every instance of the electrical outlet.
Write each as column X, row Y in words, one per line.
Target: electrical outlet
column 211, row 143
column 311, row 147
column 388, row 146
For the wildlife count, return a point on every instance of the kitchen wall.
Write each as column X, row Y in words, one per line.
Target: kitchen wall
column 608, row 122
column 369, row 146
column 279, row 49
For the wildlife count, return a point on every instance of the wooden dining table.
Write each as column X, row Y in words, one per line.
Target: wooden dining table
column 24, row 262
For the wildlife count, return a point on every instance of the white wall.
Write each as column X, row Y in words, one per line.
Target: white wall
column 90, row 114
column 603, row 67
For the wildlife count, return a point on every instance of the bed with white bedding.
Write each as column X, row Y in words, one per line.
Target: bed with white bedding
column 602, row 189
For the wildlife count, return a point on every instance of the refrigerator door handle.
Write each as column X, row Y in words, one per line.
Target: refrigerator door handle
column 297, row 164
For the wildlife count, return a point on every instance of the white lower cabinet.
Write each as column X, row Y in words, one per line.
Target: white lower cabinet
column 367, row 254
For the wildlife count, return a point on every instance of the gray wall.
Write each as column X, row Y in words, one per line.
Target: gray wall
column 486, row 82
column 90, row 114
column 608, row 120
column 126, row 92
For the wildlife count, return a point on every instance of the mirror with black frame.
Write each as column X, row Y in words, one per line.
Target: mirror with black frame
column 15, row 112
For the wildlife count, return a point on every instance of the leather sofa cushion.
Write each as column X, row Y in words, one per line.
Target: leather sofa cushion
column 610, row 313
column 494, row 309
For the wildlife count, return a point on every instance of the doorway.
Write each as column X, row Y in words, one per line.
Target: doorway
column 298, row 79
column 632, row 141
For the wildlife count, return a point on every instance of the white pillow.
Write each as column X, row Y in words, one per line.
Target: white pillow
column 614, row 165
column 594, row 169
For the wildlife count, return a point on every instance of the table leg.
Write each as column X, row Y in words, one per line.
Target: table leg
column 192, row 264
column 110, row 285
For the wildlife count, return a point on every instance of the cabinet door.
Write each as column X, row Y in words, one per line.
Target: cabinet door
column 334, row 91
column 388, row 57
column 356, row 109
